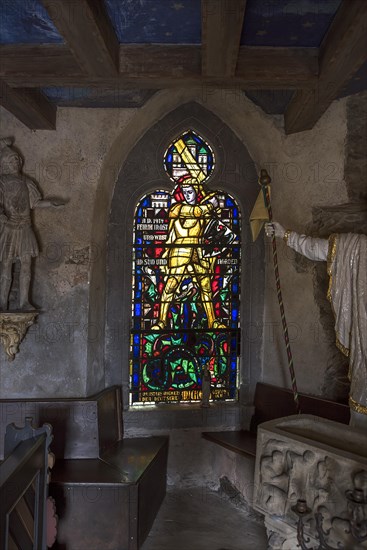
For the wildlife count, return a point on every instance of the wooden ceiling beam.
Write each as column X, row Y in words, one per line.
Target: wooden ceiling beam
column 29, row 106
column 278, row 64
column 160, row 66
column 21, row 61
column 88, row 33
column 221, row 28
column 342, row 52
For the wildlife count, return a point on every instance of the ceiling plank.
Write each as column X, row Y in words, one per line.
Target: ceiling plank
column 159, row 66
column 88, row 32
column 29, row 106
column 342, row 52
column 221, row 27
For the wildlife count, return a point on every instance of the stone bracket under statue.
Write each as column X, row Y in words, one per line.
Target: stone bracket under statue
column 13, row 328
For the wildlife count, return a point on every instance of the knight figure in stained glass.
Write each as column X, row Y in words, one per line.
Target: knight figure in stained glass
column 185, row 252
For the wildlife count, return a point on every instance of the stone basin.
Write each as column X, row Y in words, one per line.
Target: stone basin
column 330, row 434
column 316, row 460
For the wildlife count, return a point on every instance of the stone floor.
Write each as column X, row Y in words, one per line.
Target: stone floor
column 200, row 519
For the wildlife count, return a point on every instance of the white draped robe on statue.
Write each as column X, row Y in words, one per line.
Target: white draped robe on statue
column 346, row 255
column 347, row 268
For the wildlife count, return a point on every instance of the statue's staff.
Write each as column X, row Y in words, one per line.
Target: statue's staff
column 257, row 219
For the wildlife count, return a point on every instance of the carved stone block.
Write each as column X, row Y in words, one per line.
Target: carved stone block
column 314, row 459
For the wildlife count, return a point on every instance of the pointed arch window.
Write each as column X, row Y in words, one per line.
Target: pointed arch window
column 186, row 283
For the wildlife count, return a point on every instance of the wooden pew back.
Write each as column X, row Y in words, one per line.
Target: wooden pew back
column 23, row 487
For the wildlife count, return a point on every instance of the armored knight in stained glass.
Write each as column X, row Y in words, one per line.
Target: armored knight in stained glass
column 186, row 290
column 189, row 262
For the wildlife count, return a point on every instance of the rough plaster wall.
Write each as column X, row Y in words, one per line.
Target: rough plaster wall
column 67, row 163
column 316, row 158
column 356, row 149
column 342, row 218
column 307, row 170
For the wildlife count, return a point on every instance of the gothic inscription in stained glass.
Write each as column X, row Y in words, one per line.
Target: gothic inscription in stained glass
column 186, row 283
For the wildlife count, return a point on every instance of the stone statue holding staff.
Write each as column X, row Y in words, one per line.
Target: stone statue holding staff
column 346, row 257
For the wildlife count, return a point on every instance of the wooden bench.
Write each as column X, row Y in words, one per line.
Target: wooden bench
column 107, row 488
column 274, row 402
column 24, row 488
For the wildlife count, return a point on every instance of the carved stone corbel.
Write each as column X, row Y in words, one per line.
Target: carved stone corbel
column 13, row 327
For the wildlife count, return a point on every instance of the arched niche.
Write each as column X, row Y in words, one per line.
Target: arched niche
column 141, row 172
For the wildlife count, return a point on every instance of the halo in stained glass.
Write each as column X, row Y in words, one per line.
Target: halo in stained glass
column 189, row 155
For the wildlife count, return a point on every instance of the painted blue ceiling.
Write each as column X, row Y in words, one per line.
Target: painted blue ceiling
column 267, row 22
column 26, row 22
column 156, row 22
column 287, row 22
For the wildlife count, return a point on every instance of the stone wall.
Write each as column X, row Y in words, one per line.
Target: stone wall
column 341, row 218
column 63, row 355
column 69, row 352
column 356, row 148
column 66, row 163
column 318, row 157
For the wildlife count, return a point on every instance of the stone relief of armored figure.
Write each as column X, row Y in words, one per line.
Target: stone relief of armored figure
column 18, row 196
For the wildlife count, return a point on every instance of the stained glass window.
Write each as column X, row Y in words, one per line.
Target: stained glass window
column 186, row 283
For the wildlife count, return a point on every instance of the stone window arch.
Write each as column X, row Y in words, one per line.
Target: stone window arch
column 143, row 173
